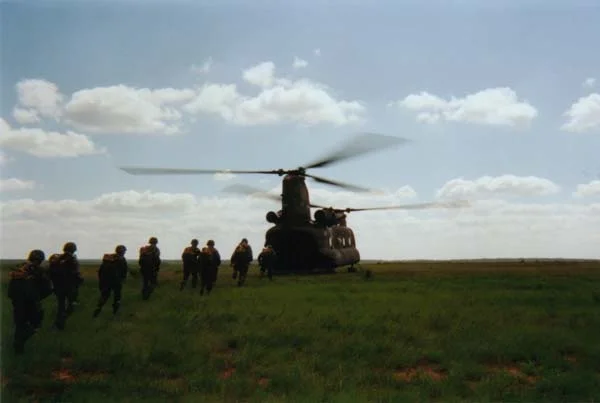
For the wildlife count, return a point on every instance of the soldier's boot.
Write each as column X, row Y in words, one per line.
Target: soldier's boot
column 116, row 307
column 97, row 311
column 182, row 286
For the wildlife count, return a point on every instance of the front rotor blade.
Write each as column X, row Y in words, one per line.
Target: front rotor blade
column 185, row 171
column 251, row 191
column 359, row 145
column 339, row 184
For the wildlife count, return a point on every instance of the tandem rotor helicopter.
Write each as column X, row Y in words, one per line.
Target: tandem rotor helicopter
column 303, row 244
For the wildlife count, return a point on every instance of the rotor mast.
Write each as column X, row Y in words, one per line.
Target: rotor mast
column 295, row 200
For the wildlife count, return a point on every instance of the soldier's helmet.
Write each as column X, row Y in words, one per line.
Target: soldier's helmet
column 210, row 242
column 244, row 240
column 36, row 255
column 120, row 249
column 153, row 241
column 70, row 247
column 195, row 242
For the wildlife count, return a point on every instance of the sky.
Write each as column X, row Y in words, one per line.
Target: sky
column 500, row 101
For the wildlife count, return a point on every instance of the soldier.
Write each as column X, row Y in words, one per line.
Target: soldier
column 149, row 262
column 111, row 274
column 266, row 260
column 29, row 284
column 66, row 279
column 240, row 260
column 191, row 264
column 210, row 260
column 215, row 257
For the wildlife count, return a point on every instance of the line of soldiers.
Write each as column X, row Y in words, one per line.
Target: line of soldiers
column 30, row 284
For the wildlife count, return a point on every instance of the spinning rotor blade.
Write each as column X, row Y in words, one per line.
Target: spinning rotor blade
column 184, row 171
column 417, row 206
column 251, row 191
column 339, row 184
column 362, row 144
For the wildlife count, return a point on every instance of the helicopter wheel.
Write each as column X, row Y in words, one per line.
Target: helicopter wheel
column 351, row 269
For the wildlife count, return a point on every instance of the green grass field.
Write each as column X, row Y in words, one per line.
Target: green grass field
column 420, row 331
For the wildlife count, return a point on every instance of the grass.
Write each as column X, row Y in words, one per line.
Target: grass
column 413, row 331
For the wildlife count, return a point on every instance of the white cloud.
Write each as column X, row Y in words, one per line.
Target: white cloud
column 588, row 189
column 46, row 144
column 584, row 114
column 205, row 68
column 492, row 106
column 123, row 109
column 262, row 75
column 40, row 98
column 25, row 116
column 504, row 185
column 490, row 228
column 299, row 63
column 302, row 101
column 14, row 184
column 589, row 82
column 317, row 52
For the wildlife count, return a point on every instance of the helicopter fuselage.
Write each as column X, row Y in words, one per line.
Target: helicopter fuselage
column 302, row 244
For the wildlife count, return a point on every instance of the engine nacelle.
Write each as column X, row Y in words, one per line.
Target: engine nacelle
column 272, row 217
column 328, row 217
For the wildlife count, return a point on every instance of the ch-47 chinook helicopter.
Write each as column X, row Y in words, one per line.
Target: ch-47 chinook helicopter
column 303, row 244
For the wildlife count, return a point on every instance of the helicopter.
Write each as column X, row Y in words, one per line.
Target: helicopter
column 304, row 244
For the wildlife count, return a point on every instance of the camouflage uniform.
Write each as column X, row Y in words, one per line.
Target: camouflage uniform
column 111, row 274
column 210, row 260
column 240, row 260
column 66, row 279
column 191, row 264
column 29, row 284
column 149, row 262
column 266, row 260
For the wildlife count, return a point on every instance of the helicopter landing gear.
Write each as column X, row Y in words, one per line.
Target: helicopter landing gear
column 354, row 268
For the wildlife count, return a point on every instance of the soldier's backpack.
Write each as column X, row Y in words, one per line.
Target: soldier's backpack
column 56, row 267
column 25, row 284
column 147, row 256
column 206, row 257
column 109, row 265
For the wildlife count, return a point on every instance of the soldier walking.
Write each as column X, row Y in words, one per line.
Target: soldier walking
column 266, row 260
column 111, row 274
column 29, row 284
column 240, row 260
column 66, row 279
column 210, row 260
column 191, row 264
column 149, row 262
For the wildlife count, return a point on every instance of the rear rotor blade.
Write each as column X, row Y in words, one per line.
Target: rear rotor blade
column 417, row 206
column 251, row 191
column 359, row 145
column 185, row 171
